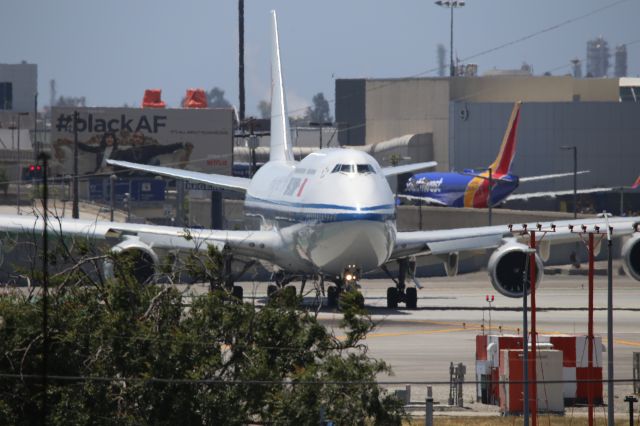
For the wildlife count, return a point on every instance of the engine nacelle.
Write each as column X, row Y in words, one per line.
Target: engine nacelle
column 141, row 254
column 631, row 257
column 507, row 266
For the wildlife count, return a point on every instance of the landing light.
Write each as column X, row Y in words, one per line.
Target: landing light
column 349, row 277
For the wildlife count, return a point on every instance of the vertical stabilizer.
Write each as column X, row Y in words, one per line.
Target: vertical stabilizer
column 502, row 163
column 280, row 134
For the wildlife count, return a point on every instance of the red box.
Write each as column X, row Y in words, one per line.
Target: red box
column 481, row 347
column 566, row 344
column 582, row 392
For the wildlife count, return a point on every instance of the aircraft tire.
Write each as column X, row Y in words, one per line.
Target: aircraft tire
column 271, row 289
column 237, row 292
column 290, row 291
column 392, row 298
column 412, row 298
column 332, row 296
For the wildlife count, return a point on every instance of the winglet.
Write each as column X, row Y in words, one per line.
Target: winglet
column 280, row 134
column 502, row 163
column 636, row 183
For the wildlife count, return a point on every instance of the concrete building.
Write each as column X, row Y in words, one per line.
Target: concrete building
column 597, row 57
column 18, row 87
column 465, row 119
column 375, row 110
column 620, row 68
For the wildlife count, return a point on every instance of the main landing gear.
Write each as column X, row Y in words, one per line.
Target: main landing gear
column 401, row 293
column 228, row 277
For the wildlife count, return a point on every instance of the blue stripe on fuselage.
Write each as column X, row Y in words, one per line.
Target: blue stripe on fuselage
column 302, row 212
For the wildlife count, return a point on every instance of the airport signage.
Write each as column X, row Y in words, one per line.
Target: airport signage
column 192, row 139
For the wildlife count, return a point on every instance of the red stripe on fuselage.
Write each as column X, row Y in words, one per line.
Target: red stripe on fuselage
column 304, row 182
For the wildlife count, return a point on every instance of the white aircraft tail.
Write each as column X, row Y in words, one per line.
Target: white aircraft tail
column 280, row 134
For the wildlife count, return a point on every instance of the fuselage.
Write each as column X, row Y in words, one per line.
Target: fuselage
column 332, row 209
column 467, row 189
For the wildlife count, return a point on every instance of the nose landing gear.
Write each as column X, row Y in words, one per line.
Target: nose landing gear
column 348, row 281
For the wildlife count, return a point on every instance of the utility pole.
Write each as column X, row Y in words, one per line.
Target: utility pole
column 241, row 58
column 610, row 375
column 575, row 178
column 76, row 208
column 20, row 114
column 45, row 284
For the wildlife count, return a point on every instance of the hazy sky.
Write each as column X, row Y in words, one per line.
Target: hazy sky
column 109, row 51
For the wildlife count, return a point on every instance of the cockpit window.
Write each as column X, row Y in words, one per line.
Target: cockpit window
column 365, row 168
column 353, row 168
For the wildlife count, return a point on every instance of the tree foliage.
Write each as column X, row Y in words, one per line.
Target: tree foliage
column 320, row 111
column 264, row 107
column 124, row 353
column 216, row 99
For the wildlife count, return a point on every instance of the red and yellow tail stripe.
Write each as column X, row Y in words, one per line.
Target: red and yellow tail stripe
column 478, row 188
column 502, row 163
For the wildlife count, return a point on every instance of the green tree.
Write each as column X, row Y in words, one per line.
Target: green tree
column 264, row 107
column 319, row 112
column 216, row 99
column 125, row 353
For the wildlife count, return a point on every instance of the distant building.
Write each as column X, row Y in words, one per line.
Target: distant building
column 576, row 65
column 18, row 87
column 597, row 57
column 621, row 61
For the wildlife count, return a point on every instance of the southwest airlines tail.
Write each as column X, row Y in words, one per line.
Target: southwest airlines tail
column 502, row 163
column 280, row 134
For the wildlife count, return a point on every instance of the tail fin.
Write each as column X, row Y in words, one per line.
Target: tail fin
column 502, row 163
column 636, row 183
column 280, row 134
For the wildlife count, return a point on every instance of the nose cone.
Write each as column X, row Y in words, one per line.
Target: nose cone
column 366, row 244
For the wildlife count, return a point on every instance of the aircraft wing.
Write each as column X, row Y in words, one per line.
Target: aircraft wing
column 221, row 181
column 526, row 196
column 440, row 242
column 406, row 168
column 255, row 244
column 552, row 176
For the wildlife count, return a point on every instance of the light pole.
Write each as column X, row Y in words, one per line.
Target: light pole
column 112, row 195
column 575, row 178
column 451, row 4
column 489, row 193
column 19, row 161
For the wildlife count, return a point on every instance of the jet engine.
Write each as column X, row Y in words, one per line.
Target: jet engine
column 631, row 257
column 142, row 257
column 507, row 267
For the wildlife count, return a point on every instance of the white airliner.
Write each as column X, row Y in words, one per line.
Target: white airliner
column 332, row 216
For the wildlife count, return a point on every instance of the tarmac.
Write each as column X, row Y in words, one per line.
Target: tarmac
column 420, row 344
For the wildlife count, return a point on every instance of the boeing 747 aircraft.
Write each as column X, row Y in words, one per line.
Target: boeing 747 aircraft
column 331, row 216
column 470, row 188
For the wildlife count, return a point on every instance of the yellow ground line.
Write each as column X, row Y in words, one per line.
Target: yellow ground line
column 472, row 327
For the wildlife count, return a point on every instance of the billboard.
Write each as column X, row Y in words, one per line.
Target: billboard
column 193, row 139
